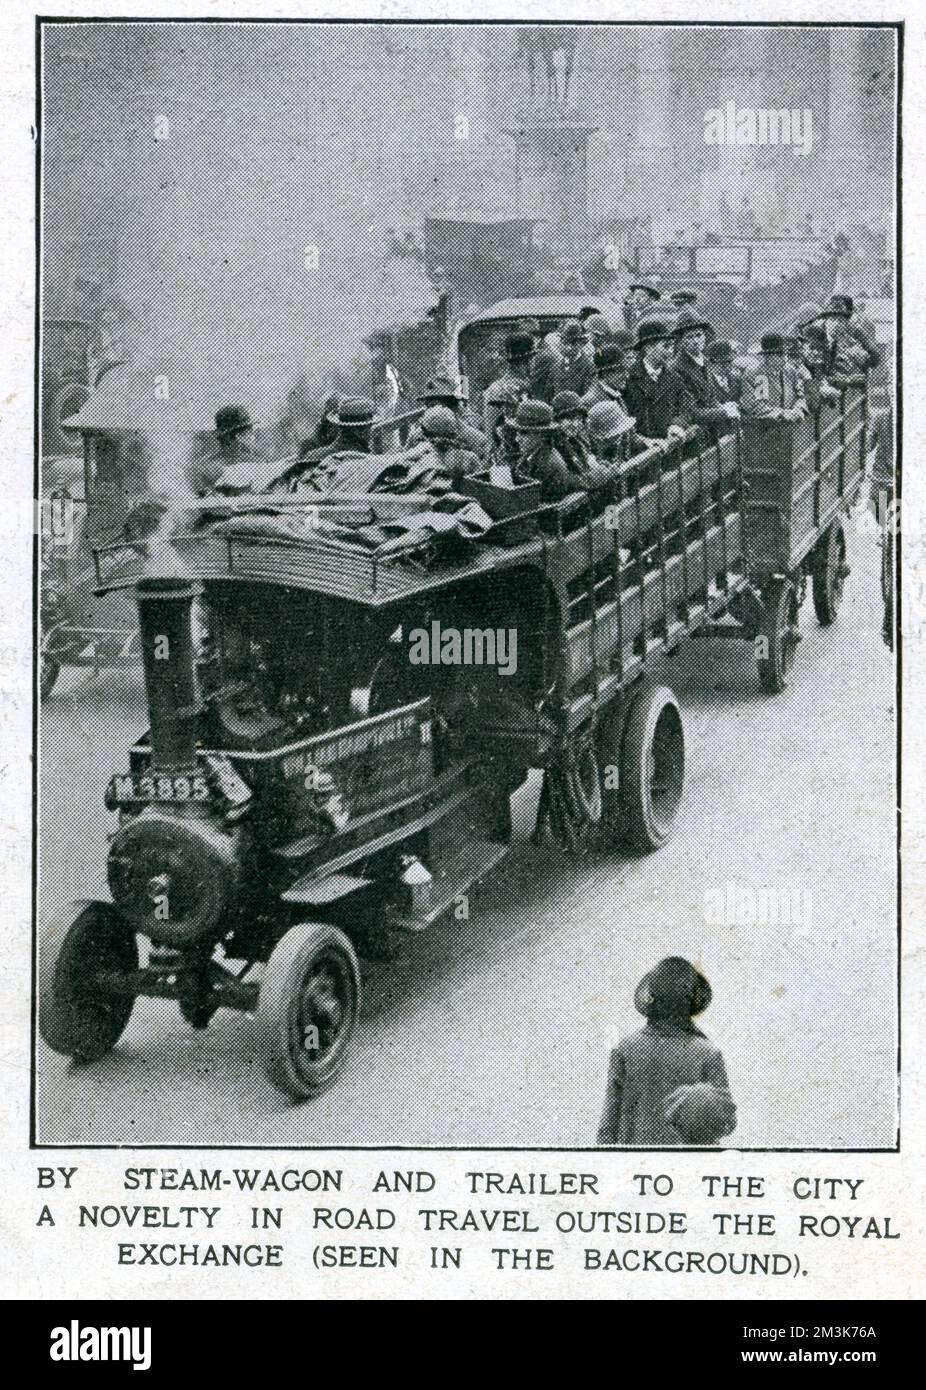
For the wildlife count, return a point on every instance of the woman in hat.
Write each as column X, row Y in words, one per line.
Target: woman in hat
column 667, row 1083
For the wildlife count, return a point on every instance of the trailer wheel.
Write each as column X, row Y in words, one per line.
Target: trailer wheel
column 581, row 785
column 652, row 768
column 779, row 631
column 308, row 1007
column 829, row 574
column 76, row 1015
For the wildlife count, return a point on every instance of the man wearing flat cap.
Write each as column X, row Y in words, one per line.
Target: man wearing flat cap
column 690, row 369
column 642, row 296
column 504, row 449
column 773, row 388
column 667, row 1083
column 657, row 398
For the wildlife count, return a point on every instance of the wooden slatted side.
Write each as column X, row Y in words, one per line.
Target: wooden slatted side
column 680, row 486
column 619, row 624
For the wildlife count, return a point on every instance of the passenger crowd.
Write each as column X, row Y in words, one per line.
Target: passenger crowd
column 569, row 409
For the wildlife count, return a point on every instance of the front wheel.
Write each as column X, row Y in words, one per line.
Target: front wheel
column 78, row 1014
column 779, row 635
column 308, row 1007
column 829, row 574
column 652, row 768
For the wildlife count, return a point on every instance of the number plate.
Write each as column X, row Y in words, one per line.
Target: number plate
column 157, row 786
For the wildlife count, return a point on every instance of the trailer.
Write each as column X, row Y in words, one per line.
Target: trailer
column 307, row 791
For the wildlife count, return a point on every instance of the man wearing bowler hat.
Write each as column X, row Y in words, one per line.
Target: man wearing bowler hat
column 539, row 459
column 691, row 370
column 614, row 361
column 234, row 465
column 353, row 420
column 657, row 398
column 720, row 360
column 667, row 1083
column 850, row 339
column 520, row 350
column 571, row 438
column 773, row 389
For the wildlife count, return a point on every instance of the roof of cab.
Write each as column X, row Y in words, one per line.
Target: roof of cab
column 553, row 306
column 130, row 398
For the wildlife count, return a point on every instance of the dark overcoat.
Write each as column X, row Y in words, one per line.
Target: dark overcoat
column 645, row 1068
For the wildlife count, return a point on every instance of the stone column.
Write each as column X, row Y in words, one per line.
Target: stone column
column 651, row 165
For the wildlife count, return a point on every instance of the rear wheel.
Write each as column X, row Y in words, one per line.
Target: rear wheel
column 652, row 768
column 78, row 1015
column 829, row 574
column 308, row 1008
column 779, row 634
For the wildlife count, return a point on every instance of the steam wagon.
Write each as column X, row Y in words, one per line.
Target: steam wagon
column 307, row 791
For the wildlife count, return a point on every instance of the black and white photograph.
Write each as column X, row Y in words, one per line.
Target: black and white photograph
column 466, row 648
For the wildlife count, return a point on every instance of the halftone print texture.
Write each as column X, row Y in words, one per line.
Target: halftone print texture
column 406, row 722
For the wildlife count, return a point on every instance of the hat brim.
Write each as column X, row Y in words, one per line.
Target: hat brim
column 232, row 430
column 351, row 424
column 645, row 289
column 701, row 326
column 701, row 994
column 439, row 396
